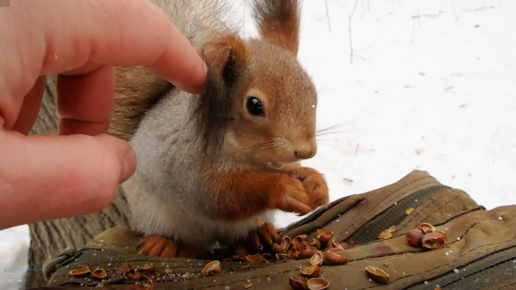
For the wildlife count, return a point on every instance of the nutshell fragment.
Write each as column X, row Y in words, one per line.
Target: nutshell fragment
column 254, row 258
column 248, row 285
column 386, row 234
column 377, row 274
column 132, row 274
column 311, row 271
column 427, row 228
column 211, row 268
column 99, row 273
column 317, row 283
column 80, row 272
column 435, row 240
column 317, row 258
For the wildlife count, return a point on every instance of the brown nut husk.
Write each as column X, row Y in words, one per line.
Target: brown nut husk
column 148, row 285
column 299, row 239
column 377, row 274
column 317, row 283
column 308, row 252
column 414, row 237
column 409, row 210
column 285, row 244
column 426, row 228
column 332, row 258
column 317, row 258
column 311, row 271
column 211, row 268
column 315, row 243
column 257, row 258
column 99, row 273
column 80, row 272
column 124, row 267
column 435, row 240
column 146, row 269
column 277, row 249
column 132, row 274
column 297, row 283
column 332, row 244
column 324, row 235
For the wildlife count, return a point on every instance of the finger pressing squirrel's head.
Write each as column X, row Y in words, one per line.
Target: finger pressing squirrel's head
column 259, row 104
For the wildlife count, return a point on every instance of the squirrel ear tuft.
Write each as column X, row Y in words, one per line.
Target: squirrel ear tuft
column 224, row 56
column 278, row 22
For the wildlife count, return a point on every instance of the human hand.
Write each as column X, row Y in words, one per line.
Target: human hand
column 50, row 177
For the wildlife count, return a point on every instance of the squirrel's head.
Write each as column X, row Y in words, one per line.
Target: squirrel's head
column 258, row 104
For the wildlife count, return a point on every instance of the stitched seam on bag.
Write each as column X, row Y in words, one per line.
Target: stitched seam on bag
column 436, row 210
column 390, row 200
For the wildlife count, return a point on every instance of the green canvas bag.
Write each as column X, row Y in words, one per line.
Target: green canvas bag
column 480, row 251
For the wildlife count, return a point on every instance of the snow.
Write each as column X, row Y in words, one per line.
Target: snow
column 431, row 87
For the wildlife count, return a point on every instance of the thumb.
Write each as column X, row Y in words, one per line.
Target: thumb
column 51, row 177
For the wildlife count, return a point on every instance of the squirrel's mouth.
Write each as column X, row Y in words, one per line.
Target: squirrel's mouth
column 277, row 165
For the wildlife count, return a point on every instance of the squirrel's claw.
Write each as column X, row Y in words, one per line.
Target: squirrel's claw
column 157, row 246
column 162, row 247
column 315, row 185
column 267, row 233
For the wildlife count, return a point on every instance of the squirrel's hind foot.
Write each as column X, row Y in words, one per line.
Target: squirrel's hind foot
column 258, row 240
column 162, row 247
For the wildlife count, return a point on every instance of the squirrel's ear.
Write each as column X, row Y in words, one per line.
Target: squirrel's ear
column 224, row 56
column 278, row 22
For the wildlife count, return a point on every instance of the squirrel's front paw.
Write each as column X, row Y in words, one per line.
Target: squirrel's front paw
column 314, row 184
column 289, row 194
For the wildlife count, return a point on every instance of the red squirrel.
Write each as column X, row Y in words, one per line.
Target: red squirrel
column 213, row 168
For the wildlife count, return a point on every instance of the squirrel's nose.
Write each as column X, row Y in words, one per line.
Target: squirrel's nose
column 306, row 151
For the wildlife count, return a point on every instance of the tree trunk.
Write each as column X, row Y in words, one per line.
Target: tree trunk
column 48, row 239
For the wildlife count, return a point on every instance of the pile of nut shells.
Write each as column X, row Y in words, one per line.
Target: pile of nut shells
column 325, row 249
column 127, row 271
column 322, row 250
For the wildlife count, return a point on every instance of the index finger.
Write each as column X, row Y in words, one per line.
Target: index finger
column 86, row 34
column 83, row 37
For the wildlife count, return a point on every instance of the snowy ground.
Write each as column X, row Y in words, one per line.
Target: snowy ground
column 431, row 86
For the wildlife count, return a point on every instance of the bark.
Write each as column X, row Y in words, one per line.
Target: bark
column 50, row 238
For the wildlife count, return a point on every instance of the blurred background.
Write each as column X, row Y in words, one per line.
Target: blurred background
column 402, row 85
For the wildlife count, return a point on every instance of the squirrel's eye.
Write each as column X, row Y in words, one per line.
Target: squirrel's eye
column 254, row 106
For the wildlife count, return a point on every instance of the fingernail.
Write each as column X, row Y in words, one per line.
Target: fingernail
column 129, row 165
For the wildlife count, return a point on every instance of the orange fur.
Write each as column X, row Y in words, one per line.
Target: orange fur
column 237, row 177
column 244, row 194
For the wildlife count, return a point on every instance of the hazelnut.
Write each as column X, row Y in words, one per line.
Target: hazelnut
column 332, row 258
column 414, row 237
column 297, row 283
